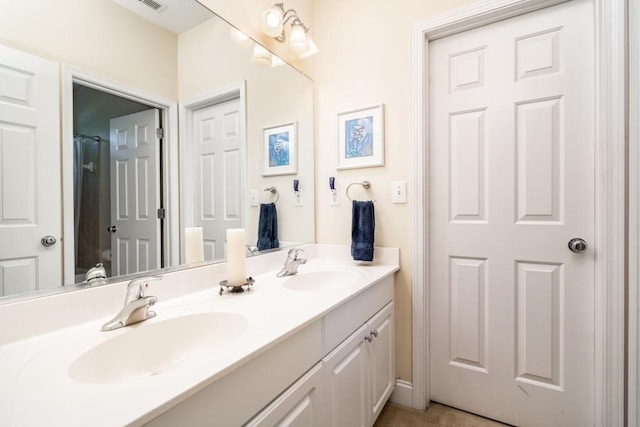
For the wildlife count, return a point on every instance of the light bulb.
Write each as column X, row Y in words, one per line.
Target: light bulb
column 272, row 21
column 298, row 39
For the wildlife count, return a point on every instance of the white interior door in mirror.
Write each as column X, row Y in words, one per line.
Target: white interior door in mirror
column 218, row 201
column 30, row 200
column 135, row 192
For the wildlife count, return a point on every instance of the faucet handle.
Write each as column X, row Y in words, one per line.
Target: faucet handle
column 293, row 253
column 135, row 288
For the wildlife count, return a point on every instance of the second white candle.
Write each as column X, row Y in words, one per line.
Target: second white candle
column 236, row 260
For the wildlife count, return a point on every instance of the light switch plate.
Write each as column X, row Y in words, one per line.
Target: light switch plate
column 399, row 192
column 298, row 198
column 253, row 198
column 334, row 197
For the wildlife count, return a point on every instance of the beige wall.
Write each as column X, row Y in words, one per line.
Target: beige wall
column 97, row 36
column 365, row 59
column 209, row 60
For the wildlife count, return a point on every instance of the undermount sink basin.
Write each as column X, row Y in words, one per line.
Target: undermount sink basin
column 322, row 280
column 149, row 349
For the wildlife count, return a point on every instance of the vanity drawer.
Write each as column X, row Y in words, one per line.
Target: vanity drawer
column 236, row 397
column 346, row 318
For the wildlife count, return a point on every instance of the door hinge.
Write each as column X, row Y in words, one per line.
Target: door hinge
column 162, row 213
column 160, row 133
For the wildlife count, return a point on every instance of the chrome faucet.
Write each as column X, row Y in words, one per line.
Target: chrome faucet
column 136, row 305
column 291, row 264
column 253, row 250
column 96, row 274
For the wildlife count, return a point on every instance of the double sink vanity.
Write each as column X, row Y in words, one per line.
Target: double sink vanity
column 314, row 348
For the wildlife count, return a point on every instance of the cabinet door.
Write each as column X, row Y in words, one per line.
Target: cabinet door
column 299, row 406
column 381, row 359
column 346, row 374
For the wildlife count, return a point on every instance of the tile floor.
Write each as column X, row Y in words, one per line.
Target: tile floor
column 437, row 415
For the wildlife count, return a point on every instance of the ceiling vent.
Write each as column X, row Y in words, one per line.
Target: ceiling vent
column 158, row 7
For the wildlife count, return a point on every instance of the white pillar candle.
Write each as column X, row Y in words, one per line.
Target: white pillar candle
column 193, row 245
column 236, row 272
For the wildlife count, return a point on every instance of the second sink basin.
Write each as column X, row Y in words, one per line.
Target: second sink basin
column 149, row 349
column 322, row 279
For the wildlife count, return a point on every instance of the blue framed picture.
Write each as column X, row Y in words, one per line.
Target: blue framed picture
column 361, row 138
column 280, row 150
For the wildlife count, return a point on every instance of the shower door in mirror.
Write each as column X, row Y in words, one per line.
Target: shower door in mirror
column 30, row 217
column 135, row 192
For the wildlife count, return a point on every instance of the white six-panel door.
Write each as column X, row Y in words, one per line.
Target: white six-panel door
column 29, row 173
column 218, row 195
column 135, row 192
column 511, row 182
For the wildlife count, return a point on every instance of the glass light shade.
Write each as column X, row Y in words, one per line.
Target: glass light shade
column 239, row 38
column 276, row 61
column 298, row 39
column 261, row 56
column 272, row 21
column 313, row 49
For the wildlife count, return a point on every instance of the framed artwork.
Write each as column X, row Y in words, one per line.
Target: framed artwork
column 361, row 138
column 280, row 150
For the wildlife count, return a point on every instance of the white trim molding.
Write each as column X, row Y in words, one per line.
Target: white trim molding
column 169, row 112
column 402, row 394
column 634, row 216
column 610, row 26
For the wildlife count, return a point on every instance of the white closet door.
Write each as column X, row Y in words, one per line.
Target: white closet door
column 218, row 196
column 30, row 198
column 511, row 183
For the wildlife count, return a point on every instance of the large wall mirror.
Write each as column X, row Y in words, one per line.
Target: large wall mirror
column 237, row 136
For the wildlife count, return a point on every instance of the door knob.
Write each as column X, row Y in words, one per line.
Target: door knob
column 577, row 245
column 48, row 241
column 112, row 229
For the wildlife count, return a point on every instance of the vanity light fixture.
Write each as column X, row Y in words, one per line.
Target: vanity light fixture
column 240, row 38
column 261, row 56
column 273, row 24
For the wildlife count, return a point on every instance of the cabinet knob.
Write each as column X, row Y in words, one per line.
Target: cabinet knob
column 371, row 336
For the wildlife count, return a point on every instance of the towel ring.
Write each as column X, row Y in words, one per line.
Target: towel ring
column 365, row 184
column 273, row 191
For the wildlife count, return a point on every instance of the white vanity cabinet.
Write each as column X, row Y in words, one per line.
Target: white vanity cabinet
column 300, row 406
column 339, row 371
column 359, row 374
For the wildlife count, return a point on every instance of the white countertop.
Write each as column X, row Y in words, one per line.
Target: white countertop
column 35, row 386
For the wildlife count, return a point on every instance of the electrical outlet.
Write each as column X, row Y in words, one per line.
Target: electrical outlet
column 299, row 198
column 334, row 197
column 399, row 192
column 253, row 198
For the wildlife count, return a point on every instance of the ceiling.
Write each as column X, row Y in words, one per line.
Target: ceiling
column 174, row 15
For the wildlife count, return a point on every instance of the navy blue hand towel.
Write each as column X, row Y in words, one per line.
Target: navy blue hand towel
column 363, row 225
column 268, row 227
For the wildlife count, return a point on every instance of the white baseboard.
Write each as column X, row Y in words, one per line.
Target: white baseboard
column 402, row 394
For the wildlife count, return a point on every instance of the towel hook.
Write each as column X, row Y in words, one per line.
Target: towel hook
column 273, row 191
column 365, row 184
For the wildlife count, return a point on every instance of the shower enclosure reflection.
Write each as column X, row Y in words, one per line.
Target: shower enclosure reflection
column 101, row 234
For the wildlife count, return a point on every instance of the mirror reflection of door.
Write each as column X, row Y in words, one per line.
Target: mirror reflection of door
column 30, row 205
column 96, row 185
column 217, row 170
column 135, row 192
